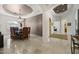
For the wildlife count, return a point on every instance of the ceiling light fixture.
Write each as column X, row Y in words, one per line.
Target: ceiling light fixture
column 19, row 16
column 20, row 19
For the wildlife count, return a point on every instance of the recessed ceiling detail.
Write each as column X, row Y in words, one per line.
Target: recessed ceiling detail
column 60, row 8
column 16, row 9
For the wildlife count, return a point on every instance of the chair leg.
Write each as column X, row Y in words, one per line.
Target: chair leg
column 73, row 49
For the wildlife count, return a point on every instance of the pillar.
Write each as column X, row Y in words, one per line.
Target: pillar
column 45, row 27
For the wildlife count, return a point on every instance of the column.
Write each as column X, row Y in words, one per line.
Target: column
column 45, row 26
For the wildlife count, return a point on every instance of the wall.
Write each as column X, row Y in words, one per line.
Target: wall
column 70, row 17
column 76, row 16
column 4, row 23
column 36, row 24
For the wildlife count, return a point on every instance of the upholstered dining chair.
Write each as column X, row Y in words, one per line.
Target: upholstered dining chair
column 26, row 32
column 13, row 31
column 74, row 44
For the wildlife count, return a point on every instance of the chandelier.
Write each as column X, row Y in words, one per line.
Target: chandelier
column 19, row 16
column 20, row 20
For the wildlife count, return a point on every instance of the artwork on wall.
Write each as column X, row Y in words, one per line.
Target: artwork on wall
column 69, row 24
column 55, row 29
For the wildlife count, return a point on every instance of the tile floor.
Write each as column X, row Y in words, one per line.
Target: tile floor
column 35, row 45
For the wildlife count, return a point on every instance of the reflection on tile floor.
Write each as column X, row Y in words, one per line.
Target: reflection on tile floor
column 35, row 45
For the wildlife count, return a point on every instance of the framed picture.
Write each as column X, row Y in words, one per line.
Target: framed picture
column 68, row 24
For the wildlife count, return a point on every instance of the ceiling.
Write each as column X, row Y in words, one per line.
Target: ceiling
column 16, row 9
column 25, row 10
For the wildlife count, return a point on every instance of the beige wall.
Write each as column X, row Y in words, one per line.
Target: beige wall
column 36, row 24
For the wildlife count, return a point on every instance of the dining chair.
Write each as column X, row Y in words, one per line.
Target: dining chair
column 74, row 44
